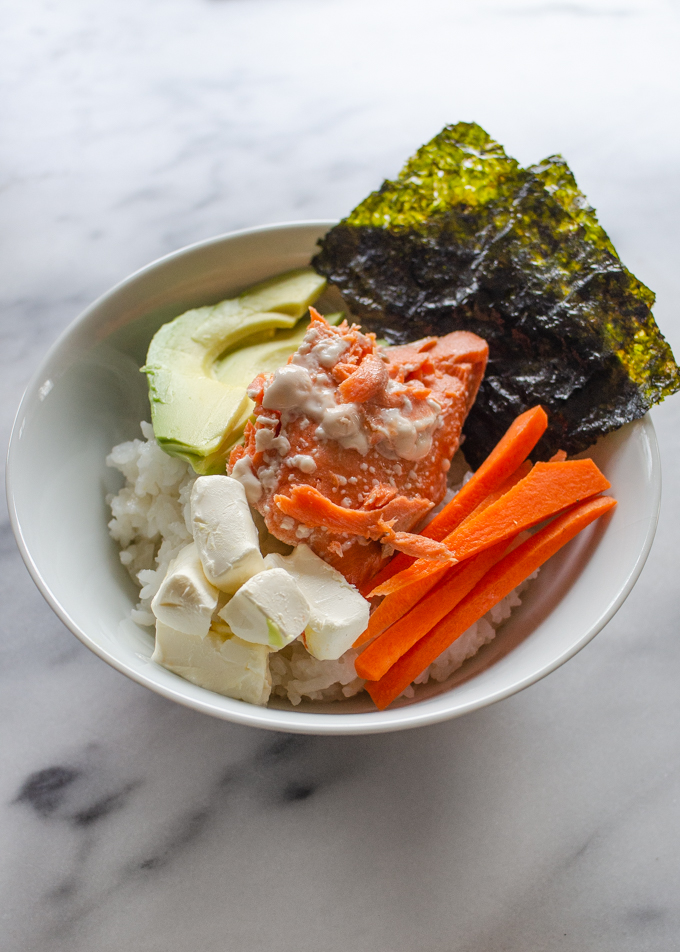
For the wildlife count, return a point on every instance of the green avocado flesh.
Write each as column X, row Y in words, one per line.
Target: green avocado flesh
column 467, row 239
column 199, row 365
column 274, row 634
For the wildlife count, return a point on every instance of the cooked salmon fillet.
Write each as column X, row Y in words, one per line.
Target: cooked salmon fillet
column 352, row 441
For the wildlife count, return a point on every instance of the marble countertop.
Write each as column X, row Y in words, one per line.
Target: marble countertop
column 549, row 821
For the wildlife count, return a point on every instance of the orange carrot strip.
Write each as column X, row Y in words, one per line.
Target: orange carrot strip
column 522, row 470
column 496, row 584
column 514, row 447
column 373, row 585
column 548, row 489
column 391, row 609
column 394, row 606
column 312, row 508
column 386, row 650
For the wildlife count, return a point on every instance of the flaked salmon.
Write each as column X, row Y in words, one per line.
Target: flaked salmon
column 352, row 441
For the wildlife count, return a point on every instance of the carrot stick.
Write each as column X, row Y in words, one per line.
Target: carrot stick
column 416, row 545
column 391, row 609
column 514, row 447
column 522, row 470
column 548, row 489
column 394, row 606
column 386, row 650
column 511, row 450
column 496, row 584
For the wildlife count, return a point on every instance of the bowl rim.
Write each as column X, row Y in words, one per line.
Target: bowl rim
column 406, row 717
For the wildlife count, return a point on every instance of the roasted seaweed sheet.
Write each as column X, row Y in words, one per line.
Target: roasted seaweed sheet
column 467, row 239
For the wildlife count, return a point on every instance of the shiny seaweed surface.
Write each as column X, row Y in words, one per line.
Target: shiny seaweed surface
column 466, row 238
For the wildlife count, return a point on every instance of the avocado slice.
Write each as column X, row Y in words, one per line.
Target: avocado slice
column 199, row 365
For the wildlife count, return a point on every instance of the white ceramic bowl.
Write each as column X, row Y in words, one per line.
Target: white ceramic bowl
column 89, row 395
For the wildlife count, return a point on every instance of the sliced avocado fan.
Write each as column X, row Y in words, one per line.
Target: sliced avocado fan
column 199, row 365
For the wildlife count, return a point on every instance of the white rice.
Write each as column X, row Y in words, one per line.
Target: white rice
column 151, row 523
column 151, row 518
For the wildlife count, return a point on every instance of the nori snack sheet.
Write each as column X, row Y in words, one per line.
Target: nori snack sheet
column 467, row 239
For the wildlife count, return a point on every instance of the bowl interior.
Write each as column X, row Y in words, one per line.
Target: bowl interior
column 89, row 395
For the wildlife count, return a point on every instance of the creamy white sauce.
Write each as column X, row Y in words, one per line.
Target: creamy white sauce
column 243, row 471
column 268, row 476
column 289, row 389
column 405, row 438
column 329, row 351
column 319, row 351
column 266, row 440
column 293, row 391
column 302, row 390
column 343, row 423
column 304, row 463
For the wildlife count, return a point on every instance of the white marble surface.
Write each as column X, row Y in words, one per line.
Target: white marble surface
column 547, row 822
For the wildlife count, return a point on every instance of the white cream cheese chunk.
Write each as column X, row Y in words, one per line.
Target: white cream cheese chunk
column 224, row 532
column 338, row 612
column 186, row 600
column 219, row 662
column 269, row 609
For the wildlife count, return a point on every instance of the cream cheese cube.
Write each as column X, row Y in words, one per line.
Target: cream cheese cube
column 338, row 612
column 219, row 662
column 224, row 532
column 186, row 600
column 268, row 609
